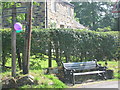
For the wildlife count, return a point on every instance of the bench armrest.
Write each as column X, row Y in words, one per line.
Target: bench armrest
column 67, row 72
column 73, row 70
column 103, row 68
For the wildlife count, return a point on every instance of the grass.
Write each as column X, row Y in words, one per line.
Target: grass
column 36, row 63
column 50, row 81
column 45, row 81
column 113, row 65
column 36, row 70
column 41, row 80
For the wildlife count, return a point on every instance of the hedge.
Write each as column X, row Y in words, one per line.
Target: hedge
column 67, row 45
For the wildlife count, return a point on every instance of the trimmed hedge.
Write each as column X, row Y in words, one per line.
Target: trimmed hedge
column 66, row 45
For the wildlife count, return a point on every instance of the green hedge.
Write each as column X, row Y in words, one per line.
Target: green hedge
column 66, row 44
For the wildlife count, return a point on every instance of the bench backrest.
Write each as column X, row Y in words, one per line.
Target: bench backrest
column 80, row 65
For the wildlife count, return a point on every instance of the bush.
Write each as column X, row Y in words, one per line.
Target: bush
column 66, row 44
column 105, row 29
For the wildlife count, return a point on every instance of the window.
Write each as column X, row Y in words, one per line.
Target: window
column 61, row 26
column 53, row 5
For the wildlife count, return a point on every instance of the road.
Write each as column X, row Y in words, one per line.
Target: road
column 101, row 84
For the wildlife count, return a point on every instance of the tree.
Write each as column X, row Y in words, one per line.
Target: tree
column 94, row 14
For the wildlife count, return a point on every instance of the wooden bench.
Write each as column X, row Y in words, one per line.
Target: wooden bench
column 82, row 68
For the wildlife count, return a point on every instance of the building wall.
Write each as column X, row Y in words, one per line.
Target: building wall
column 60, row 17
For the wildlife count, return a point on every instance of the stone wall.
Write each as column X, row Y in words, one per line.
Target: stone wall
column 61, row 16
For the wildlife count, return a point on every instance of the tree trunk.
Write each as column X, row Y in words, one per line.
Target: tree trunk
column 57, row 54
column 3, row 62
column 60, row 55
column 67, row 58
column 27, row 43
column 19, row 59
column 50, row 55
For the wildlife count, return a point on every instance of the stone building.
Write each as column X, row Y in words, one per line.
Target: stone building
column 60, row 14
column 55, row 14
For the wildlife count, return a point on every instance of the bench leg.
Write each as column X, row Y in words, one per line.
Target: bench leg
column 102, row 75
column 97, row 76
column 73, row 79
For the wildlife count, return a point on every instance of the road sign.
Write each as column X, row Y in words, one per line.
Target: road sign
column 116, row 8
column 7, row 12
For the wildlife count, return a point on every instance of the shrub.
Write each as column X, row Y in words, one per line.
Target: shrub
column 66, row 44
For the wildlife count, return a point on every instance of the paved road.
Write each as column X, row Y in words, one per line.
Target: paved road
column 101, row 84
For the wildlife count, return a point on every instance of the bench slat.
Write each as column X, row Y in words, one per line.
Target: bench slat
column 80, row 65
column 86, row 73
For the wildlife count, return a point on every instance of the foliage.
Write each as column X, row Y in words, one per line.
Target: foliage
column 95, row 14
column 41, row 62
column 117, row 75
column 52, row 25
column 105, row 29
column 113, row 65
column 67, row 45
